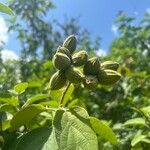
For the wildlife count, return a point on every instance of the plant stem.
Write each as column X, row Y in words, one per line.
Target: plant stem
column 63, row 94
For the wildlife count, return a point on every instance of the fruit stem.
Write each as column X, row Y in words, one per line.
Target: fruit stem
column 63, row 94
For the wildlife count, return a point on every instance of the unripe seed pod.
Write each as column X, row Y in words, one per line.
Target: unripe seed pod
column 92, row 66
column 63, row 50
column 80, row 58
column 90, row 82
column 108, row 77
column 74, row 75
column 112, row 65
column 61, row 61
column 70, row 43
column 58, row 80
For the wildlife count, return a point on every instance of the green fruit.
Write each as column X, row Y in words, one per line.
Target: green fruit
column 63, row 50
column 112, row 65
column 74, row 75
column 58, row 80
column 61, row 61
column 108, row 77
column 92, row 66
column 70, row 43
column 90, row 82
column 80, row 58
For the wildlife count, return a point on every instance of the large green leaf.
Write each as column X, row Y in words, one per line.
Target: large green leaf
column 34, row 140
column 25, row 115
column 103, row 130
column 135, row 122
column 71, row 132
column 36, row 98
column 5, row 9
column 21, row 87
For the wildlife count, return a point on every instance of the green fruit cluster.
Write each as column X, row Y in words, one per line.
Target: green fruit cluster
column 100, row 73
column 65, row 61
column 94, row 72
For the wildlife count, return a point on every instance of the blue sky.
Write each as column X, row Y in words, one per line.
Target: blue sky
column 97, row 16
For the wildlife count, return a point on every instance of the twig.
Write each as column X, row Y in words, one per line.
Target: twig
column 63, row 94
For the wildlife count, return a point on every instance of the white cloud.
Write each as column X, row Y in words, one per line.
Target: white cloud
column 3, row 31
column 8, row 55
column 114, row 29
column 101, row 52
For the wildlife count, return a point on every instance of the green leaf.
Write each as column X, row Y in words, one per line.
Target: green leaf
column 5, row 9
column 11, row 101
column 103, row 130
column 56, row 95
column 36, row 98
column 51, row 104
column 47, row 64
column 68, row 94
column 34, row 140
column 5, row 125
column 80, row 111
column 73, row 103
column 146, row 110
column 146, row 141
column 135, row 122
column 137, row 138
column 34, row 84
column 8, row 108
column 71, row 132
column 21, row 87
column 25, row 115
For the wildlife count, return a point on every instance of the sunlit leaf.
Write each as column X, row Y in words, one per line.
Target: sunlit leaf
column 135, row 122
column 73, row 103
column 33, row 84
column 146, row 110
column 25, row 115
column 103, row 130
column 5, row 9
column 56, row 95
column 12, row 101
column 5, row 125
column 47, row 65
column 21, row 87
column 71, row 132
column 137, row 138
column 36, row 99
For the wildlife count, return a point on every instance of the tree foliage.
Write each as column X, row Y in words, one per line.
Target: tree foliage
column 28, row 111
